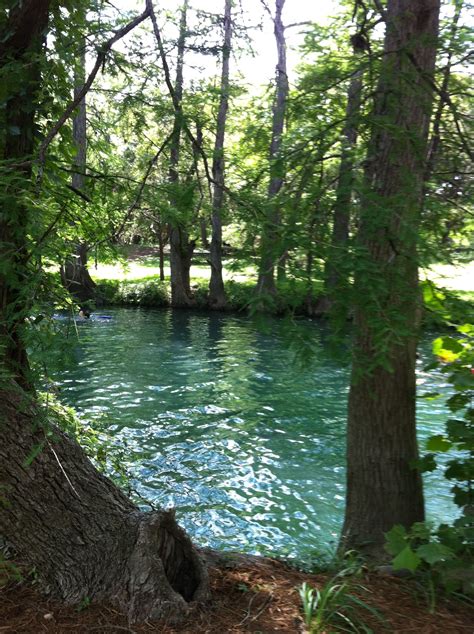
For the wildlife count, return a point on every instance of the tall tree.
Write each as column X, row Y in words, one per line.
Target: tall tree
column 85, row 538
column 337, row 257
column 271, row 228
column 383, row 486
column 217, row 298
column 181, row 248
column 74, row 273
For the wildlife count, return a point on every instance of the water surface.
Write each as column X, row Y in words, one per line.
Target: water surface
column 221, row 422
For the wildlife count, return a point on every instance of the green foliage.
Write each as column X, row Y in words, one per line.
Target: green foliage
column 107, row 454
column 445, row 555
column 147, row 293
column 9, row 572
column 337, row 604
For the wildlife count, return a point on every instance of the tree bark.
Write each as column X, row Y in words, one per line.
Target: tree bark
column 74, row 273
column 269, row 248
column 217, row 297
column 179, row 240
column 86, row 539
column 21, row 42
column 383, row 487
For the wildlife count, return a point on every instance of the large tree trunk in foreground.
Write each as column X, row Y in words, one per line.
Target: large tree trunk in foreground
column 217, row 298
column 383, row 487
column 21, row 41
column 270, row 242
column 83, row 535
column 85, row 538
column 74, row 273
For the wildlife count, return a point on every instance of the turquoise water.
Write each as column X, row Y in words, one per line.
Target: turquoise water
column 221, row 422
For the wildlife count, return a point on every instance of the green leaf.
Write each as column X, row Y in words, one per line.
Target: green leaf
column 430, row 395
column 407, row 559
column 447, row 349
column 396, row 539
column 458, row 401
column 424, row 464
column 434, row 552
column 438, row 443
column 33, row 453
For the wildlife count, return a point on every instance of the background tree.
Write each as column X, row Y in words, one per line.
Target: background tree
column 217, row 297
column 270, row 239
column 74, row 273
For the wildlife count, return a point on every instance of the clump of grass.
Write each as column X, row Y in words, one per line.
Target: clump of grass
column 334, row 604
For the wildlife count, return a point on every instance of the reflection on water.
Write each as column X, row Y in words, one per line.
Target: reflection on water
column 222, row 424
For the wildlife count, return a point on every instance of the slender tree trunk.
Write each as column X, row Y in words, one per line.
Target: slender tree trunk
column 383, row 487
column 217, row 298
column 203, row 230
column 74, row 273
column 270, row 241
column 179, row 239
column 84, row 537
column 334, row 278
column 435, row 140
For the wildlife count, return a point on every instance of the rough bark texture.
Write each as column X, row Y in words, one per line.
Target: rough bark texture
column 180, row 255
column 271, row 228
column 383, row 488
column 20, row 43
column 85, row 538
column 217, row 298
column 74, row 273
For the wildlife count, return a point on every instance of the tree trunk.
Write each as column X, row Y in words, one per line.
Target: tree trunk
column 179, row 239
column 86, row 539
column 74, row 273
column 270, row 242
column 217, row 298
column 21, row 41
column 334, row 278
column 383, row 487
column 203, row 230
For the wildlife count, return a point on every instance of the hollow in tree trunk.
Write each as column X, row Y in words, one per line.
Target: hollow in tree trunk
column 82, row 534
column 383, row 486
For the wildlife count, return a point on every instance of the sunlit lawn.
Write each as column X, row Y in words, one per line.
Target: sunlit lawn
column 149, row 268
column 458, row 278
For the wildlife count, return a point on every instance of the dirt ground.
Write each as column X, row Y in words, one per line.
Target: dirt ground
column 251, row 595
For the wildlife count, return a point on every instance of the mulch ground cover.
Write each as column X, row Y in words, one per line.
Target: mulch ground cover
column 248, row 595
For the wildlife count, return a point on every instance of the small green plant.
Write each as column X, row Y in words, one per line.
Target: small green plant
column 444, row 556
column 9, row 572
column 335, row 605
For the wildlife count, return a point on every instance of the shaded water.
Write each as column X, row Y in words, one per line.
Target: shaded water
column 221, row 423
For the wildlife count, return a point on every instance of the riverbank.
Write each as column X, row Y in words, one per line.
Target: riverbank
column 448, row 291
column 248, row 595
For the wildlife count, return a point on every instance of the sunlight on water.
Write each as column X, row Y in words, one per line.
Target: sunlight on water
column 222, row 423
